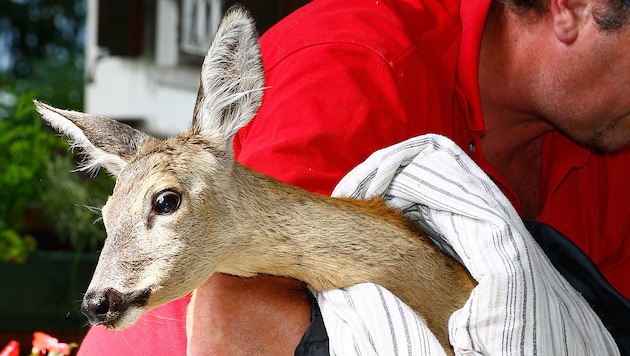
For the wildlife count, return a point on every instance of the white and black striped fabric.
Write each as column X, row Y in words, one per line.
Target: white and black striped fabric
column 521, row 305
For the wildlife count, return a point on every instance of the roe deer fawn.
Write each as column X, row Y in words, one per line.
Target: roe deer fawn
column 183, row 209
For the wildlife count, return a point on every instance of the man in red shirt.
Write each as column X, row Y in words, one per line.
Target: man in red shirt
column 534, row 95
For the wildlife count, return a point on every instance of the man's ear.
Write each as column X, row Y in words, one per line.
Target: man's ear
column 569, row 17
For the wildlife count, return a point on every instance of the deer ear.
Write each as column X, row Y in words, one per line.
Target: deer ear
column 107, row 143
column 232, row 80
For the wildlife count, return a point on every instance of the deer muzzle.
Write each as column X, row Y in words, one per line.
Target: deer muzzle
column 112, row 308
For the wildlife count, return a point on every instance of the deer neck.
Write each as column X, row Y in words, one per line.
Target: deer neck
column 291, row 231
column 327, row 243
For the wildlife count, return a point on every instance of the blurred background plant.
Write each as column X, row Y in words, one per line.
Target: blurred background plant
column 43, row 204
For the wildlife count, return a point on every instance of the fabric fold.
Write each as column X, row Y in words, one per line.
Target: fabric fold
column 521, row 306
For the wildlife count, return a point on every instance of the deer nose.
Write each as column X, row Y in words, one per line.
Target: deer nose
column 108, row 307
column 98, row 306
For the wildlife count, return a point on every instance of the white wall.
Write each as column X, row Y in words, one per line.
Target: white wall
column 154, row 90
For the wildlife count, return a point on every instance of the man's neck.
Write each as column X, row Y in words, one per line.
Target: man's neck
column 512, row 142
column 516, row 154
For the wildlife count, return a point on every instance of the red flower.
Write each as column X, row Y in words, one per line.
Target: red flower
column 46, row 344
column 43, row 342
column 61, row 349
column 12, row 349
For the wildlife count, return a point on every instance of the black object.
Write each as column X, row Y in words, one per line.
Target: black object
column 612, row 308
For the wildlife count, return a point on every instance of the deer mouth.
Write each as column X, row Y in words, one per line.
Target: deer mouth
column 113, row 309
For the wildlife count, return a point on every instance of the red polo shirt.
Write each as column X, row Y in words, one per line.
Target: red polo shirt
column 348, row 77
column 368, row 74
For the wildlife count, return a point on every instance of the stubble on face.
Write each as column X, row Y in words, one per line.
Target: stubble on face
column 611, row 138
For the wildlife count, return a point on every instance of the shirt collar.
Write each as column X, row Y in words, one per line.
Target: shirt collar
column 560, row 155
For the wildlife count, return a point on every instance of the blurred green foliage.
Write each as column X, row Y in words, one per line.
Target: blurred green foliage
column 42, row 202
column 13, row 246
column 25, row 147
column 71, row 203
column 42, row 51
column 39, row 191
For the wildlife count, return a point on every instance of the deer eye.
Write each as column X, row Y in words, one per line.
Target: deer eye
column 166, row 202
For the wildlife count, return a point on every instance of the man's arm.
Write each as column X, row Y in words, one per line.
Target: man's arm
column 264, row 315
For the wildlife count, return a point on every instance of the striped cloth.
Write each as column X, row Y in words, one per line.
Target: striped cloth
column 521, row 305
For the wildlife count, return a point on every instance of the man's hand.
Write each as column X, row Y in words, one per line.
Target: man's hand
column 263, row 315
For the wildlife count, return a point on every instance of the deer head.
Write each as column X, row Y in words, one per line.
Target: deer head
column 165, row 206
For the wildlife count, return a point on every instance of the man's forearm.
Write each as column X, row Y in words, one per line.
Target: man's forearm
column 263, row 315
